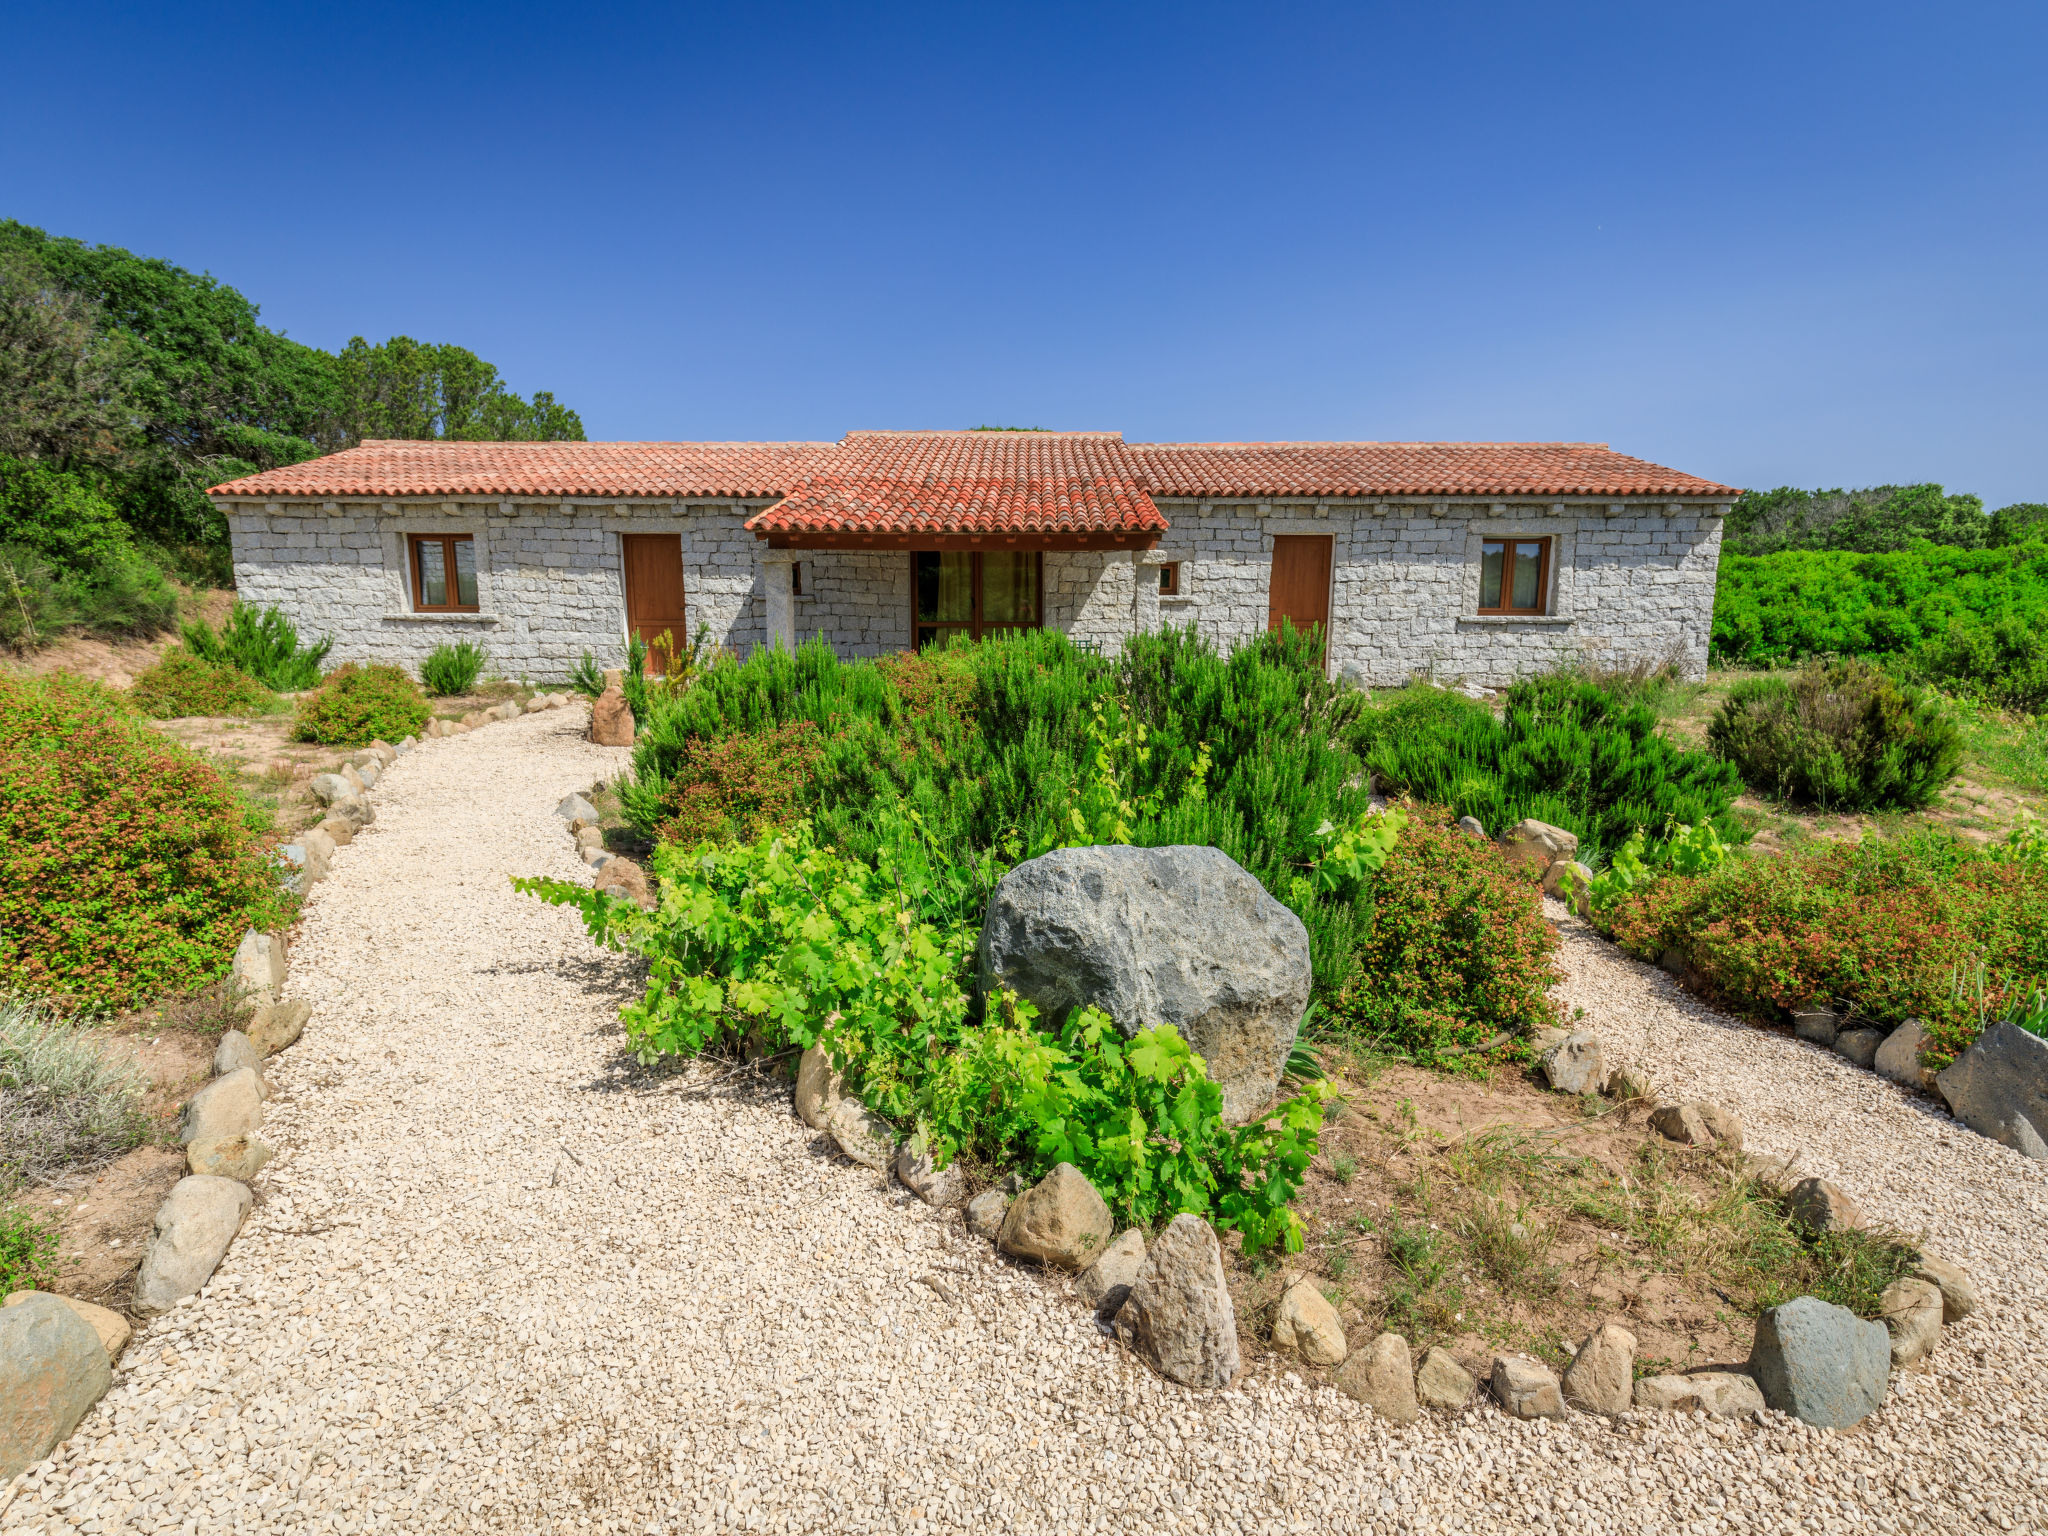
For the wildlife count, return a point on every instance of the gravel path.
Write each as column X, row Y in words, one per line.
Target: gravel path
column 496, row 1281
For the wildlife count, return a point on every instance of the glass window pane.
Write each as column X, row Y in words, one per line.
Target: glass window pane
column 465, row 572
column 1489, row 574
column 945, row 585
column 1009, row 588
column 433, row 576
column 1528, row 570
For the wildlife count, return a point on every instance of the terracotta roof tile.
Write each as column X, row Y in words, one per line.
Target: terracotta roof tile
column 972, row 482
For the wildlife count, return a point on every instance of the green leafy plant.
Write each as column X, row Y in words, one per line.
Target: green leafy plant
column 28, row 1249
column 1840, row 735
column 2003, row 662
column 452, row 669
column 181, row 683
column 127, row 867
column 360, row 704
column 263, row 643
column 585, row 678
column 1683, row 850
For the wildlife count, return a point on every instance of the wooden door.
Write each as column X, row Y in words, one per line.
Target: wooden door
column 654, row 593
column 1300, row 590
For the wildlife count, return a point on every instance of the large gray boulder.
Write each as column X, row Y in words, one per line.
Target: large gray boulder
column 1178, row 1315
column 52, row 1368
column 1820, row 1362
column 1999, row 1088
column 193, row 1229
column 1899, row 1057
column 1179, row 936
column 227, row 1106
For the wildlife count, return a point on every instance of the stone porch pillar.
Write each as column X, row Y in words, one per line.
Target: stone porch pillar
column 780, row 582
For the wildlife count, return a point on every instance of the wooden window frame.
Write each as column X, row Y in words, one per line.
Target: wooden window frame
column 447, row 541
column 973, row 625
column 1545, row 543
column 1169, row 578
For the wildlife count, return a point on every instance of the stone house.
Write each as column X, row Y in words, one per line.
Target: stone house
column 1480, row 561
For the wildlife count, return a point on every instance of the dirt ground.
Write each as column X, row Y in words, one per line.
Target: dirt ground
column 1432, row 1166
column 103, row 1219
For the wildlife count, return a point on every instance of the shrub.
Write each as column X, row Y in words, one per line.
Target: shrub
column 1839, row 735
column 357, row 705
column 28, row 1250
column 2003, row 662
column 734, row 788
column 184, row 684
column 59, row 516
column 65, row 1105
column 126, row 865
column 265, row 645
column 451, row 669
column 1889, row 929
column 1563, row 751
column 123, row 595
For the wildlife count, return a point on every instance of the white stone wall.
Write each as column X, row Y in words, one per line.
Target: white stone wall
column 1630, row 582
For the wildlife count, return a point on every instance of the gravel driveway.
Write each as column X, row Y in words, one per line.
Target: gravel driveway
column 496, row 1281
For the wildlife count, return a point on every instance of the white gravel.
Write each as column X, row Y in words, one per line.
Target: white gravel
column 496, row 1282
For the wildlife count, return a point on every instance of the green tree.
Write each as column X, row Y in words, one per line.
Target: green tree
column 1876, row 520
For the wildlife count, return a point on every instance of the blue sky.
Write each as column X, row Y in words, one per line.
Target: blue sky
column 1767, row 243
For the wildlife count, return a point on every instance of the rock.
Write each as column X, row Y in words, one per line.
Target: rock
column 1525, row 1387
column 1627, row 1083
column 1573, row 1064
column 330, row 787
column 52, row 1369
column 611, row 721
column 368, row 772
column 358, row 811
column 861, row 1134
column 1059, row 1220
column 985, row 1213
column 1999, row 1088
column 1179, row 936
column 1899, row 1057
column 1471, row 825
column 354, row 778
column 1178, row 1315
column 1820, row 1025
column 943, row 1187
column 1106, row 1284
column 230, row 1157
column 1672, row 963
column 472, row 720
column 1911, row 1310
column 227, row 1106
column 1958, row 1291
column 1443, row 1383
column 627, row 881
column 319, row 847
column 1382, row 1377
column 235, row 1052
column 406, row 745
column 1602, row 1375
column 1535, row 845
column 597, row 858
column 1307, row 1324
column 1859, row 1045
column 193, row 1229
column 1820, row 1363
column 112, row 1328
column 819, row 1086
column 1580, row 899
column 539, row 702
column 590, row 837
column 273, row 1028
column 1682, row 1123
column 337, row 829
column 509, row 710
column 1816, row 1206
column 1725, row 1394
column 258, row 972
column 1723, row 1125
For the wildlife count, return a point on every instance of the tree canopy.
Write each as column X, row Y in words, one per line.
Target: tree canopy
column 1874, row 521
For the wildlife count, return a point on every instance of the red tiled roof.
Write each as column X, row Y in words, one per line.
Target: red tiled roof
column 973, row 482
column 1407, row 469
column 390, row 467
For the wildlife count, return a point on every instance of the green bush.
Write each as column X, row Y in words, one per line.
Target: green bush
column 451, row 669
column 124, row 595
column 183, row 684
column 59, row 516
column 1840, row 735
column 2003, row 662
column 1564, row 751
column 789, row 945
column 1784, row 607
column 28, row 1250
column 265, row 645
column 357, row 705
column 127, row 868
column 1888, row 929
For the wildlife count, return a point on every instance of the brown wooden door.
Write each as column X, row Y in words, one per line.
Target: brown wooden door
column 1301, row 583
column 654, row 593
